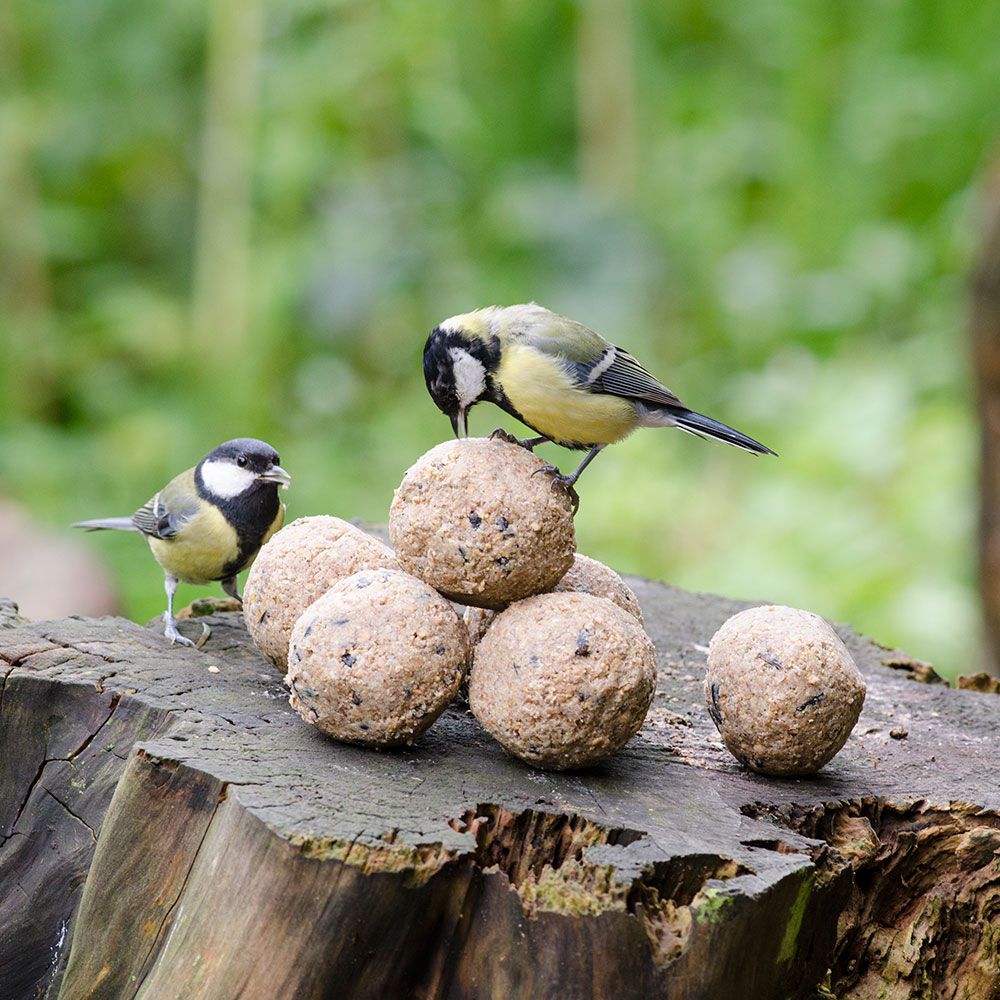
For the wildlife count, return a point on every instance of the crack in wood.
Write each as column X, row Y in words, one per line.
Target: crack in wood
column 781, row 847
column 51, row 760
column 3, row 685
column 27, row 797
column 112, row 706
column 79, row 819
column 99, row 683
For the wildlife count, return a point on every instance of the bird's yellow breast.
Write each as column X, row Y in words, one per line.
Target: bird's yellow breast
column 541, row 389
column 201, row 549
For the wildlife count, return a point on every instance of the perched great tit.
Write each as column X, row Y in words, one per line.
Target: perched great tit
column 563, row 380
column 209, row 522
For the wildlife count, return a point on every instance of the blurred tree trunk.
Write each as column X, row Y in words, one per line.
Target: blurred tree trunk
column 605, row 97
column 985, row 332
column 225, row 184
column 27, row 371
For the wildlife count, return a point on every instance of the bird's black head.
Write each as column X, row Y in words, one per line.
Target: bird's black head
column 238, row 466
column 458, row 366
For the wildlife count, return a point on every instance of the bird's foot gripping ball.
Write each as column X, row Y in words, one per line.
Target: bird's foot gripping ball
column 529, row 444
column 782, row 689
column 558, row 481
column 299, row 564
column 471, row 520
column 563, row 680
column 376, row 659
column 501, row 435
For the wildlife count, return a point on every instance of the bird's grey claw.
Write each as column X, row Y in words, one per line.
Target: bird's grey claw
column 175, row 637
column 501, row 435
column 528, row 444
column 561, row 482
column 565, row 484
column 172, row 633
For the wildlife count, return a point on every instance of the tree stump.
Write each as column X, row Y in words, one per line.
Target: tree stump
column 169, row 828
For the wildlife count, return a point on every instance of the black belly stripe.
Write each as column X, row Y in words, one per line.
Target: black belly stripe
column 254, row 519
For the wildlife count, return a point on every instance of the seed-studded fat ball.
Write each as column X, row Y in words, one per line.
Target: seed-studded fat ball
column 585, row 576
column 588, row 576
column 376, row 659
column 301, row 562
column 472, row 519
column 782, row 689
column 563, row 680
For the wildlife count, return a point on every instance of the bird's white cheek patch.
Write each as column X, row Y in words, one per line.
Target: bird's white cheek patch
column 226, row 479
column 470, row 376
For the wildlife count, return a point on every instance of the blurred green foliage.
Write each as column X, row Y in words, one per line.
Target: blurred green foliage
column 244, row 217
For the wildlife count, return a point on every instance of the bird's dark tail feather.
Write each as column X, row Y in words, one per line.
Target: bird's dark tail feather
column 108, row 523
column 698, row 423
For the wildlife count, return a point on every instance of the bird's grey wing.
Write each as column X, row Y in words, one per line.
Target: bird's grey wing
column 559, row 336
column 595, row 364
column 152, row 518
column 618, row 373
column 163, row 515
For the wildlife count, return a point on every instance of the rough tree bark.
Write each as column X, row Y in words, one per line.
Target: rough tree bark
column 985, row 335
column 169, row 828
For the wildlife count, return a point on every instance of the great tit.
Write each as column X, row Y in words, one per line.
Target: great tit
column 563, row 380
column 209, row 522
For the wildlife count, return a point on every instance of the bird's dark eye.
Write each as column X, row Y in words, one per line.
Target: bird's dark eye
column 241, row 461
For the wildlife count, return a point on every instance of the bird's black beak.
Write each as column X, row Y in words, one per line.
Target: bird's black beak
column 276, row 474
column 458, row 424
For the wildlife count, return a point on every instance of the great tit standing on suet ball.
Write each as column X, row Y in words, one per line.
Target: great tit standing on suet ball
column 563, row 380
column 209, row 522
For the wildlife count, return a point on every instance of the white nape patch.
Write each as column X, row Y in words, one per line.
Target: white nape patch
column 226, row 479
column 453, row 324
column 461, row 322
column 470, row 376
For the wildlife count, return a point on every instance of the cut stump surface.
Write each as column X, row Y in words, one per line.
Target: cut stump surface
column 169, row 828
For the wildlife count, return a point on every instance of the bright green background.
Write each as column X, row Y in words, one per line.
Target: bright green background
column 243, row 218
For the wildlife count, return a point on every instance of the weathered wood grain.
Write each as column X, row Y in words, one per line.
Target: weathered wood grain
column 172, row 830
